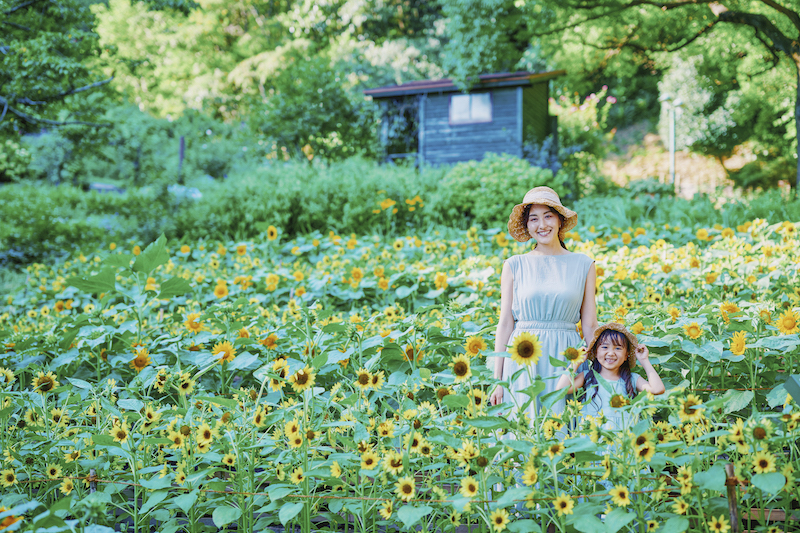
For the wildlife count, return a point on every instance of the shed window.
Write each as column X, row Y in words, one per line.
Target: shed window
column 470, row 108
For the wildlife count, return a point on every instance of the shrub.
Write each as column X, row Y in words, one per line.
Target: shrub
column 483, row 192
column 14, row 161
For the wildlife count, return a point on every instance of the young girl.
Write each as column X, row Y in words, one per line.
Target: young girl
column 613, row 351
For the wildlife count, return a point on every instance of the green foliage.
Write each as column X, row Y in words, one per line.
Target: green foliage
column 140, row 150
column 483, row 192
column 14, row 161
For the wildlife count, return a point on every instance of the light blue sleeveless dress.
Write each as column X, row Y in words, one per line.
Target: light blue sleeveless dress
column 616, row 419
column 548, row 294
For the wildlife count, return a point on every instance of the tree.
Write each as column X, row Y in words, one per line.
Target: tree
column 641, row 30
column 49, row 54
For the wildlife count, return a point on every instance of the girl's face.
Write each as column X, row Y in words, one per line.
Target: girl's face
column 611, row 352
column 543, row 224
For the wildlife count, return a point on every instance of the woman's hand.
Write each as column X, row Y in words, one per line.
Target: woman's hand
column 496, row 398
column 642, row 354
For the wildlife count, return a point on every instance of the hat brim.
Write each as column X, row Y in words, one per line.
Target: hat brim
column 519, row 229
column 615, row 326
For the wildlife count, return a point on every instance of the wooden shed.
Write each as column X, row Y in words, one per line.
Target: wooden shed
column 437, row 123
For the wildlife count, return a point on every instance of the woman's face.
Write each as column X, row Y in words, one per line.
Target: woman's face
column 543, row 224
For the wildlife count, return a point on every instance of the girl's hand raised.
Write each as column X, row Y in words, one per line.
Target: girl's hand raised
column 642, row 354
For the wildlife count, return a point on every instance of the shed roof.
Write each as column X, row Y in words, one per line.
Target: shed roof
column 485, row 81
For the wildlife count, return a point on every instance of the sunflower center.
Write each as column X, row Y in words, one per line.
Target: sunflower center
column 525, row 349
column 460, row 369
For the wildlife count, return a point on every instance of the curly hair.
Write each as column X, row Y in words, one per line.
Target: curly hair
column 590, row 381
column 526, row 211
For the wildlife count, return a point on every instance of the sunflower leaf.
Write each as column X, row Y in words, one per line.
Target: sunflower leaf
column 771, row 482
column 410, row 515
column 153, row 256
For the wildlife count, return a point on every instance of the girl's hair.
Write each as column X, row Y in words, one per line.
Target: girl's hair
column 590, row 381
column 526, row 212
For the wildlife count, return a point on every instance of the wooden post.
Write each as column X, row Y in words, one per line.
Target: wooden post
column 733, row 511
column 181, row 153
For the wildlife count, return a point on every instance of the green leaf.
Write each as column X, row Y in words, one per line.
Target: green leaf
column 525, row 526
column 174, row 287
column 777, row 396
column 226, row 514
column 280, row 491
column 289, row 511
column 156, row 482
column 772, row 482
column 219, row 400
column 487, row 422
column 588, row 523
column 104, row 281
column 154, row 499
column 410, row 515
column 320, row 361
column 119, row 260
column 153, row 256
column 676, row 524
column 712, row 479
column 456, row 400
column 130, row 404
column 403, row 292
column 617, row 519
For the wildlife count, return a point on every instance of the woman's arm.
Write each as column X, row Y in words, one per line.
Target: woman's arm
column 564, row 381
column 589, row 305
column 653, row 382
column 505, row 326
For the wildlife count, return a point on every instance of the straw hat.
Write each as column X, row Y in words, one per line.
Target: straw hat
column 545, row 196
column 632, row 341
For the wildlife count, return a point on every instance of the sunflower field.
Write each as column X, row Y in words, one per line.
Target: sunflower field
column 340, row 383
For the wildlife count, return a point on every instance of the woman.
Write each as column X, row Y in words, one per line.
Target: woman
column 543, row 292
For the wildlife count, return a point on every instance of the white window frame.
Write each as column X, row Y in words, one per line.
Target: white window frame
column 471, row 108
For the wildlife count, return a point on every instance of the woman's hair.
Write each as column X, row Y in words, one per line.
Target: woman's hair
column 526, row 212
column 590, row 381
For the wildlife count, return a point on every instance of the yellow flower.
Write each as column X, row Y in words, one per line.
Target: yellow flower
column 297, row 476
column 680, row 506
column 620, row 496
column 475, row 345
column 690, row 410
column 192, row 324
column 531, row 475
column 363, row 379
column 763, row 462
column 272, row 233
column 554, row 449
column 788, row 322
column 526, row 349
column 66, row 487
column 719, row 524
column 387, row 508
column 53, row 471
column 563, row 504
column 693, row 330
column 241, row 249
column 499, row 519
column 461, row 368
column 702, row 234
column 119, row 432
column 393, row 463
column 224, row 351
column 738, row 343
column 8, row 477
column 469, row 487
column 405, row 488
column 221, row 291
column 302, row 379
column 44, row 383
column 369, row 460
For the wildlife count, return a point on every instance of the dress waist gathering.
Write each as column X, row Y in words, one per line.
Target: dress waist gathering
column 544, row 324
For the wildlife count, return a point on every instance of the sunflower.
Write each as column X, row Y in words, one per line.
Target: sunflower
column 499, row 519
column 177, row 438
column 719, row 524
column 6, row 376
column 229, row 459
column 8, row 477
column 405, row 488
column 44, row 383
column 369, row 460
column 224, row 351
column 469, row 487
column 270, row 341
column 53, row 471
column 526, row 349
column 66, row 487
column 387, row 508
column 461, row 368
column 377, row 379
column 386, row 429
column 563, row 504
column 59, row 417
column 763, row 463
column 393, row 463
column 620, row 496
column 789, row 322
column 475, row 345
column 645, row 452
column 205, row 434
column 693, row 330
column 297, row 476
column 531, row 475
column 363, row 379
column 574, row 355
column 291, row 428
column 738, row 343
column 554, row 449
column 186, row 384
column 619, row 400
column 680, row 506
column 119, row 432
column 690, row 410
column 221, row 290
column 141, row 360
column 302, row 379
column 192, row 324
